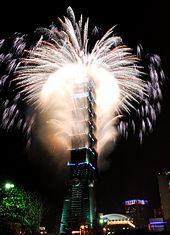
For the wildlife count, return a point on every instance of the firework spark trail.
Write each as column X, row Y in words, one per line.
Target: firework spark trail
column 52, row 70
column 141, row 120
column 12, row 107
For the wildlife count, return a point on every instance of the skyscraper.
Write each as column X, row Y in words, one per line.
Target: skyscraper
column 164, row 190
column 138, row 210
column 79, row 203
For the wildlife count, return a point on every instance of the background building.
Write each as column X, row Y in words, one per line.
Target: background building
column 164, row 190
column 79, row 204
column 156, row 225
column 138, row 210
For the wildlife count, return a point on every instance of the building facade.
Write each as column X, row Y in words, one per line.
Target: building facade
column 79, row 203
column 112, row 223
column 164, row 191
column 157, row 224
column 138, row 210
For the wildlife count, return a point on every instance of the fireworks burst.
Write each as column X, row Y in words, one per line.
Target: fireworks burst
column 47, row 75
column 13, row 115
column 141, row 120
column 52, row 69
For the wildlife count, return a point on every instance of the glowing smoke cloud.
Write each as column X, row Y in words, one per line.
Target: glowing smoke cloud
column 52, row 69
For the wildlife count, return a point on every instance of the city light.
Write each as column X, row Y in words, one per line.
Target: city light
column 9, row 185
column 82, row 227
column 158, row 222
column 134, row 202
column 101, row 221
column 120, row 222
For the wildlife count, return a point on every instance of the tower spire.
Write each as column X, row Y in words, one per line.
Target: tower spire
column 79, row 203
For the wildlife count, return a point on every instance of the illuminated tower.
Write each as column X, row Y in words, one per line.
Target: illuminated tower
column 79, row 203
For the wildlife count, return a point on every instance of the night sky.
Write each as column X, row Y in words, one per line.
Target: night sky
column 132, row 166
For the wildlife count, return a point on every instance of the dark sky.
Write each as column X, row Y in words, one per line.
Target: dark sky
column 133, row 167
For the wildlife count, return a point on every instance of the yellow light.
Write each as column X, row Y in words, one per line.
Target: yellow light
column 131, row 224
column 116, row 222
column 74, row 232
column 82, row 226
column 104, row 229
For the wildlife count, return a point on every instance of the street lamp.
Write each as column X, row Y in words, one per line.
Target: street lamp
column 82, row 229
column 9, row 185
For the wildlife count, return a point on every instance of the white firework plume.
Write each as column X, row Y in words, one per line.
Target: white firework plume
column 49, row 74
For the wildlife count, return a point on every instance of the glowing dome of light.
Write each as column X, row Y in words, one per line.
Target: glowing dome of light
column 115, row 217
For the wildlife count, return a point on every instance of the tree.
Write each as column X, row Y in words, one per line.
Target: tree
column 20, row 210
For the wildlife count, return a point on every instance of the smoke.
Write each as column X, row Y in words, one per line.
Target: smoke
column 66, row 118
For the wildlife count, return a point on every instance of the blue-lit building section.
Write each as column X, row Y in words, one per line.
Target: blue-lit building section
column 133, row 202
column 157, row 225
column 79, row 204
